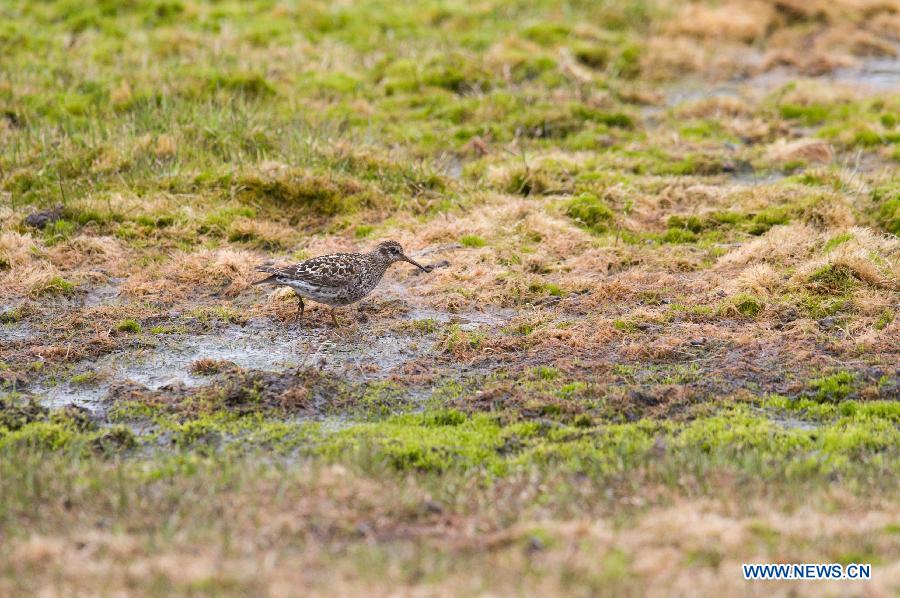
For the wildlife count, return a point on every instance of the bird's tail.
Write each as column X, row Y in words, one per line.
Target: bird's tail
column 267, row 280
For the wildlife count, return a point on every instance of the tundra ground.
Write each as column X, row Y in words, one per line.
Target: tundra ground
column 660, row 338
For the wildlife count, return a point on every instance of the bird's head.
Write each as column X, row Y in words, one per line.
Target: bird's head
column 391, row 251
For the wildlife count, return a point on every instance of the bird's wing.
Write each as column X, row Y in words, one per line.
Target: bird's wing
column 326, row 271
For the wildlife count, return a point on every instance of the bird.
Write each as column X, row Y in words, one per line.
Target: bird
column 337, row 279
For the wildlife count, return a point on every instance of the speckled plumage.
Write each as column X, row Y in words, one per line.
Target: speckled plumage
column 337, row 279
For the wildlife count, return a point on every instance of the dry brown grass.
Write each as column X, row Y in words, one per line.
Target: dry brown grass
column 228, row 271
column 16, row 249
column 739, row 21
column 813, row 37
column 781, row 245
column 27, row 272
column 90, row 250
column 760, row 279
column 668, row 57
column 808, row 150
column 290, row 533
column 872, row 259
column 797, row 246
column 716, row 107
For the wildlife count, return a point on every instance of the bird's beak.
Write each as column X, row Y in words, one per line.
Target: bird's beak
column 416, row 264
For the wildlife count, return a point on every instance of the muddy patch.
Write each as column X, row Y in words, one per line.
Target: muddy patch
column 16, row 332
column 105, row 294
column 358, row 354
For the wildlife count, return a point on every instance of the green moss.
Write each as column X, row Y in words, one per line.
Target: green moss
column 694, row 224
column 832, row 279
column 546, row 372
column 593, row 55
column 628, row 63
column 543, row 287
column 12, row 316
column 424, row 442
column 571, row 389
column 59, row 230
column 168, row 330
column 221, row 313
column 731, row 218
column 456, row 339
column 196, row 432
column 380, row 399
column 744, row 305
column 610, row 119
column 625, row 325
column 57, row 286
column 112, row 440
column 836, row 241
column 472, row 241
column 523, row 181
column 867, row 137
column 766, row 219
column 692, row 164
column 155, row 220
column 456, row 72
column 887, row 200
column 817, row 305
column 590, row 211
column 693, row 312
column 331, row 84
column 703, row 129
column 248, row 84
column 84, row 378
column 426, row 325
column 678, row 235
column 833, row 388
column 547, row 32
column 39, row 435
column 738, row 438
column 447, row 417
column 362, row 231
column 856, row 411
column 128, row 326
column 220, row 220
column 809, row 115
column 17, row 411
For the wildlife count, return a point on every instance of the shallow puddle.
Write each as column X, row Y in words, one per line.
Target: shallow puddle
column 16, row 332
column 357, row 353
column 877, row 74
column 105, row 294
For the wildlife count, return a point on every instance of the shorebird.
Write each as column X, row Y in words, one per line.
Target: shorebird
column 337, row 279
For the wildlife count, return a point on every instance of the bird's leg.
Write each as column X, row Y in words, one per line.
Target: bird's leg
column 334, row 318
column 300, row 308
